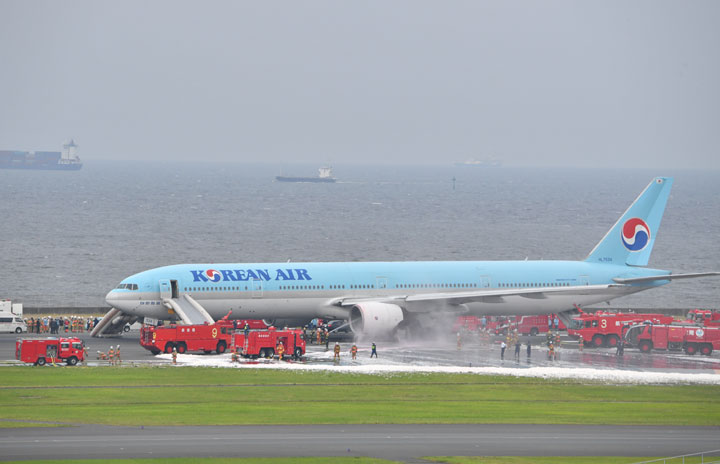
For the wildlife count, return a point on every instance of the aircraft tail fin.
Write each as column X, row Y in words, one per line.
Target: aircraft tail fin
column 631, row 239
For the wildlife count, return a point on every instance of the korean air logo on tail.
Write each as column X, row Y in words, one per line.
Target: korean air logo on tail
column 635, row 234
column 213, row 275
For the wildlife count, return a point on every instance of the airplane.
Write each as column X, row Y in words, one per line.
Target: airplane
column 378, row 298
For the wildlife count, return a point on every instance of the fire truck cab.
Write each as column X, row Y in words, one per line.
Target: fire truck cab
column 40, row 351
column 264, row 343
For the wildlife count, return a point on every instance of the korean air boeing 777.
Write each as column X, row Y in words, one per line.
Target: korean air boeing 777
column 378, row 297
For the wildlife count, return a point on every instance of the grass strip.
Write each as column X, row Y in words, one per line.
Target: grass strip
column 297, row 460
column 207, row 396
column 553, row 460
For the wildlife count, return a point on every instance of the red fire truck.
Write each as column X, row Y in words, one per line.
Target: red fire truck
column 50, row 350
column 530, row 325
column 197, row 337
column 263, row 343
column 606, row 329
column 705, row 317
column 689, row 338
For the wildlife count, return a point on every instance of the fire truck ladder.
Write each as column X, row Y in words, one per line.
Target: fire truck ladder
column 189, row 310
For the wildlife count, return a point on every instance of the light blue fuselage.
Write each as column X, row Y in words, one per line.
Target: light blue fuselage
column 308, row 290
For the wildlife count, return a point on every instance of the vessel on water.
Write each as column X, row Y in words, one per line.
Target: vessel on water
column 481, row 163
column 66, row 160
column 324, row 175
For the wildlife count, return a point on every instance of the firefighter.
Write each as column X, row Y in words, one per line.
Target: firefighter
column 373, row 350
column 551, row 352
column 459, row 341
column 246, row 330
column 280, row 351
column 581, row 343
column 353, row 351
column 319, row 333
column 336, row 351
column 503, row 345
column 174, row 355
column 233, row 354
column 118, row 360
column 111, row 355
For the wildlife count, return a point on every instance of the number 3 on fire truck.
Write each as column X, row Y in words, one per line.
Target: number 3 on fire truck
column 603, row 323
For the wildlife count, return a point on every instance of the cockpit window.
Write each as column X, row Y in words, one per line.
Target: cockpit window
column 127, row 287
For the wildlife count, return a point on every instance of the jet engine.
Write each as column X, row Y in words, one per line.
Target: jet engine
column 375, row 319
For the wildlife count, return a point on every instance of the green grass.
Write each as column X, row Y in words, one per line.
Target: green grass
column 207, row 396
column 552, row 460
column 313, row 460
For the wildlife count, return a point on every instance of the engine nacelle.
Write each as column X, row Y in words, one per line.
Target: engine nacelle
column 375, row 319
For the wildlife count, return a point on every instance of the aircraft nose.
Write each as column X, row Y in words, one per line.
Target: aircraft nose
column 112, row 298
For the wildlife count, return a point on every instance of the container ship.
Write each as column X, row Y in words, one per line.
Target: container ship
column 324, row 175
column 66, row 160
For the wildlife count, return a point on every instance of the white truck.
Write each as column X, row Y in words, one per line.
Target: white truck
column 11, row 319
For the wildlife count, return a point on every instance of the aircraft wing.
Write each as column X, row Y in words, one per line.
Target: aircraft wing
column 633, row 280
column 489, row 295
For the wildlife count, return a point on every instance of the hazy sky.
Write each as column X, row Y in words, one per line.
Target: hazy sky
column 604, row 83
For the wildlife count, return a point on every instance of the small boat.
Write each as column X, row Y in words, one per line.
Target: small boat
column 324, row 175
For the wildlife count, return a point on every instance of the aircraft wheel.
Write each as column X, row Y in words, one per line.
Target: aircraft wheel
column 598, row 341
column 72, row 361
column 169, row 348
column 221, row 347
column 41, row 361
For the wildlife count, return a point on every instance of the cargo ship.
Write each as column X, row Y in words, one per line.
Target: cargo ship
column 324, row 175
column 66, row 160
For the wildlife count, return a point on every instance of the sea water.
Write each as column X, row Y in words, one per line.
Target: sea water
column 70, row 237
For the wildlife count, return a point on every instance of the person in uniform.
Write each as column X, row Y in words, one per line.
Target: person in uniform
column 118, row 360
column 353, row 351
column 111, row 355
column 503, row 345
column 174, row 355
column 581, row 343
column 373, row 350
column 280, row 351
column 336, row 352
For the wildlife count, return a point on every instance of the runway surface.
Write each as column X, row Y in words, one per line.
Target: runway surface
column 438, row 353
column 397, row 442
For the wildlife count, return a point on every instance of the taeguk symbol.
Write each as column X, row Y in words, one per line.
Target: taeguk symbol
column 213, row 275
column 635, row 234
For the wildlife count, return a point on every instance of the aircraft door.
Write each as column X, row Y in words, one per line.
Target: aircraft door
column 175, row 289
column 583, row 280
column 381, row 283
column 484, row 281
column 257, row 288
column 165, row 289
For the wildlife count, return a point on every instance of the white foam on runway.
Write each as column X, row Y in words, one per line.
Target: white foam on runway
column 378, row 367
